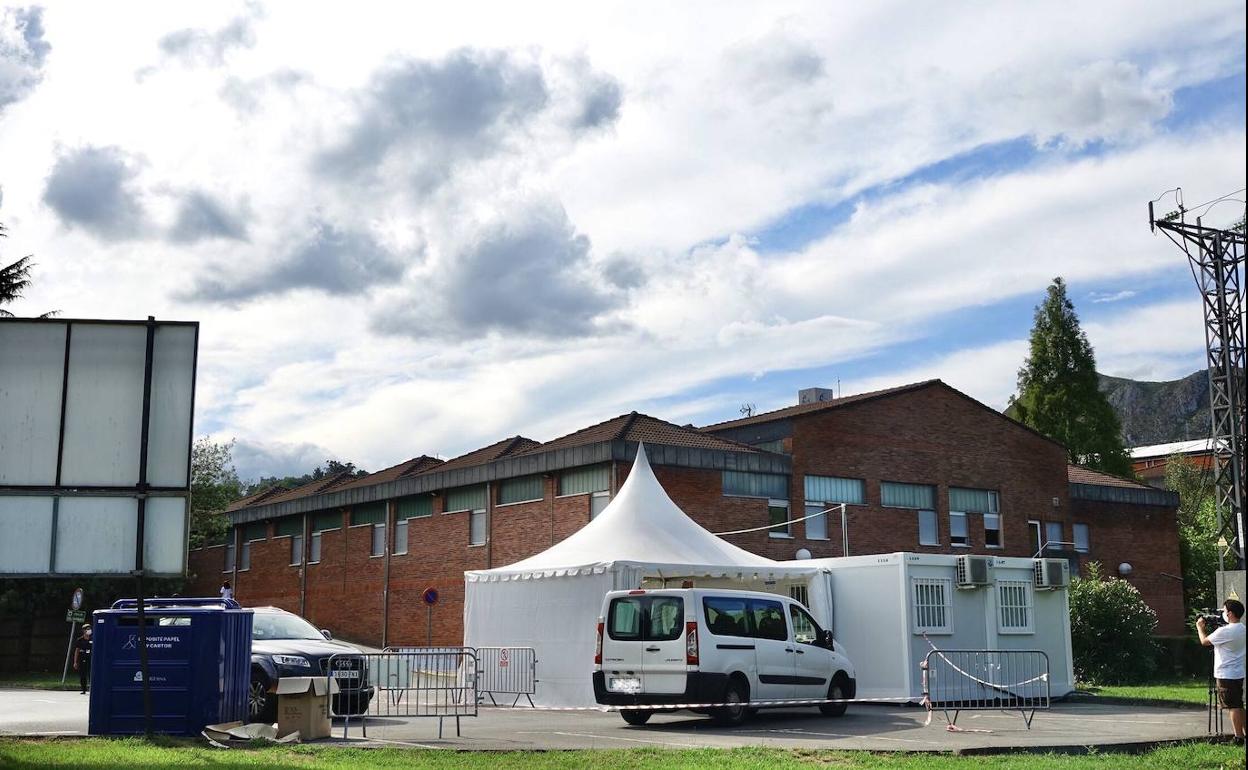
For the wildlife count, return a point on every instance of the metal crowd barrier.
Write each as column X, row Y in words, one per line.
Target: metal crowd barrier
column 978, row 680
column 407, row 682
column 507, row 671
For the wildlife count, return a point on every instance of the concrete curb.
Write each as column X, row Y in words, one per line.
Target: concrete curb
column 1115, row 700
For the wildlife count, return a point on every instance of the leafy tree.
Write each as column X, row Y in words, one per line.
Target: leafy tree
column 15, row 279
column 1058, row 393
column 214, row 485
column 331, row 468
column 1111, row 630
column 1198, row 530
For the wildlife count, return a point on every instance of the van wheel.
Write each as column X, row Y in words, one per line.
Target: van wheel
column 636, row 717
column 836, row 691
column 734, row 712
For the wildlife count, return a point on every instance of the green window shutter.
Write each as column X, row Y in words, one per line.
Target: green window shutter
column 466, row 498
column 973, row 500
column 745, row 484
column 290, row 525
column 255, row 530
column 369, row 513
column 415, row 507
column 830, row 489
column 324, row 520
column 520, row 490
column 895, row 495
column 582, row 481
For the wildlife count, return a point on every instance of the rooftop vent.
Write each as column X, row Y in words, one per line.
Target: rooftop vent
column 815, row 395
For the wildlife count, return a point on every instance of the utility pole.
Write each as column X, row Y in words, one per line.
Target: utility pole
column 1216, row 259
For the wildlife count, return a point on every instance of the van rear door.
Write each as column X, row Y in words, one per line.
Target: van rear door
column 622, row 653
column 663, row 667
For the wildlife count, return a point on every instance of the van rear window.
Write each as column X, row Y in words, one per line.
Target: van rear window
column 646, row 618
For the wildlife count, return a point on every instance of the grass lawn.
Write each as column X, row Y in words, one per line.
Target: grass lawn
column 162, row 753
column 1184, row 690
column 39, row 681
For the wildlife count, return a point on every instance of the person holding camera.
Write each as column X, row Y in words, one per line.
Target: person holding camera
column 1227, row 642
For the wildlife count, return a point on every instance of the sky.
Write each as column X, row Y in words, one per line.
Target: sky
column 419, row 229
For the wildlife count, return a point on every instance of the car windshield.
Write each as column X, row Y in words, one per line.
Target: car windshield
column 281, row 625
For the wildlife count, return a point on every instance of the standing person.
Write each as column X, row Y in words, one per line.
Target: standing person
column 1228, row 661
column 227, row 592
column 82, row 657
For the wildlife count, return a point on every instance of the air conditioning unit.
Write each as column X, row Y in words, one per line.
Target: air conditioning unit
column 974, row 571
column 1052, row 573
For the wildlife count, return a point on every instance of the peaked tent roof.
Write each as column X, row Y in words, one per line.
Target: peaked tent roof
column 642, row 526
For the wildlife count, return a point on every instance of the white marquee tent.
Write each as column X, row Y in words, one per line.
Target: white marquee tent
column 551, row 601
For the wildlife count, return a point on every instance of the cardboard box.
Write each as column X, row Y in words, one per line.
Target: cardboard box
column 303, row 706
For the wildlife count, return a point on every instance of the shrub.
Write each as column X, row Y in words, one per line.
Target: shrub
column 1111, row 630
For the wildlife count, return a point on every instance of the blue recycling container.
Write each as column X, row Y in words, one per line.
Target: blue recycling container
column 198, row 666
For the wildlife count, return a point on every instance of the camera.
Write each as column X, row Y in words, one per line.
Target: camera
column 1213, row 618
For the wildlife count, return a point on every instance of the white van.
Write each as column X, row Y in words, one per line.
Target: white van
column 670, row 646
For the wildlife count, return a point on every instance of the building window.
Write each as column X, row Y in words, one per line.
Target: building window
column 973, row 500
column 368, row 513
column 928, row 534
column 895, row 495
column 1014, row 603
column 256, row 530
column 379, row 540
column 478, row 527
column 296, row 550
column 1037, row 538
column 583, row 481
column 400, row 537
column 598, row 502
column 521, row 490
column 799, row 594
column 957, row 529
column 1082, row 538
column 932, row 611
column 244, row 560
column 229, row 554
column 746, row 484
column 414, row 507
column 776, row 446
column 816, row 528
column 1052, row 535
column 314, row 555
column 992, row 530
column 778, row 515
column 466, row 499
column 830, row 490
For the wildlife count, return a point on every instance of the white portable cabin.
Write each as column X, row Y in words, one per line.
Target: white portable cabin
column 890, row 610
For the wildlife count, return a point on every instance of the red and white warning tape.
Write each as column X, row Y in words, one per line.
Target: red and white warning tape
column 691, row 706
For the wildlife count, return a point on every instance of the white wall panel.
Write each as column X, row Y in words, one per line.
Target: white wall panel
column 104, row 405
column 32, row 360
column 96, row 534
column 164, row 534
column 25, row 534
column 173, row 378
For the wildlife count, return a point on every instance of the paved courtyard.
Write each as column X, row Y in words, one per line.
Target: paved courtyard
column 875, row 728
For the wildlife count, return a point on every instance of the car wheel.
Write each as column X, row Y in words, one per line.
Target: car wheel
column 261, row 704
column 636, row 717
column 836, row 691
column 734, row 712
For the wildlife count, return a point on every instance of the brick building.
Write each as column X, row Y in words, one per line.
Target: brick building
column 1149, row 462
column 920, row 468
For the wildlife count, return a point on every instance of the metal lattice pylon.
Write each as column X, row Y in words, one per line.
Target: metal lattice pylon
column 1216, row 257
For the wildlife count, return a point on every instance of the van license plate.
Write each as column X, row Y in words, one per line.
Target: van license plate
column 630, row 684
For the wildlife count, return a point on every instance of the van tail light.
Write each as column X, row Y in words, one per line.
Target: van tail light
column 598, row 646
column 691, row 643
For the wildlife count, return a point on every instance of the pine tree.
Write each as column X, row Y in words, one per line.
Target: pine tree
column 14, row 279
column 1058, row 392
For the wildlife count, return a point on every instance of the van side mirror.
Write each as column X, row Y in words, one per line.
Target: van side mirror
column 825, row 639
column 325, row 633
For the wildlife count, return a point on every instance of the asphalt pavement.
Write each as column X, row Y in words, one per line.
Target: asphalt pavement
column 870, row 727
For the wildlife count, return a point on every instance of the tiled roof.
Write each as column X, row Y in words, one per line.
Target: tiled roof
column 635, row 426
column 402, row 470
column 313, row 487
column 255, row 497
column 495, row 451
column 817, row 406
column 1077, row 474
